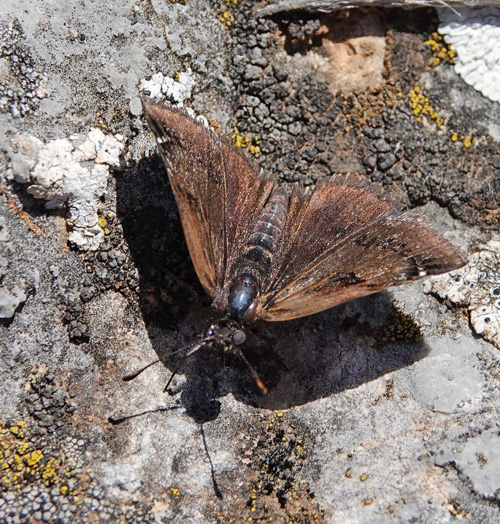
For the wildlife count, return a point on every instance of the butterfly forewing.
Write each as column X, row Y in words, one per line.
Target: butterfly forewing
column 349, row 243
column 194, row 166
column 218, row 193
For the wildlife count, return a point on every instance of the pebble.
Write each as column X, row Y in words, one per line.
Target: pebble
column 252, row 72
column 295, row 128
column 385, row 161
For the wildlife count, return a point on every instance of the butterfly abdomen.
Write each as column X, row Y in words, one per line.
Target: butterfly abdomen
column 265, row 236
column 255, row 259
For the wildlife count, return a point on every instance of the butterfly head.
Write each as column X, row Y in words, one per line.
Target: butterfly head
column 225, row 334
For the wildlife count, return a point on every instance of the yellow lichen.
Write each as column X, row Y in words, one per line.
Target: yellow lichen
column 254, row 150
column 421, row 106
column 16, row 430
column 33, row 458
column 239, row 140
column 467, row 140
column 400, row 327
column 441, row 52
column 22, row 448
column 225, row 12
column 49, row 474
column 244, row 142
column 23, row 463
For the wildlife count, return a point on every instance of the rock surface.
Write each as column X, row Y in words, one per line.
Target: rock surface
column 384, row 409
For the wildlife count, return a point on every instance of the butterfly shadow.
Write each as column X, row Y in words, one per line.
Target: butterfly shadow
column 339, row 349
column 299, row 360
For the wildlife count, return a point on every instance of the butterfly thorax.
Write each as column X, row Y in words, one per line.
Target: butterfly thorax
column 243, row 297
column 255, row 260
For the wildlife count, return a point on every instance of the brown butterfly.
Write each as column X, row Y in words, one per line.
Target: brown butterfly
column 262, row 254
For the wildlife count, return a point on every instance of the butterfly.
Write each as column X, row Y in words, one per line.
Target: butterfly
column 262, row 254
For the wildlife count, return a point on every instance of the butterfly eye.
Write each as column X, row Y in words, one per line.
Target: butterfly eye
column 242, row 301
column 239, row 337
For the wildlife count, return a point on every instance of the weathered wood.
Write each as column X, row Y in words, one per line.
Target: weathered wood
column 328, row 6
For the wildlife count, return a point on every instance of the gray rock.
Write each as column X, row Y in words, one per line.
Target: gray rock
column 352, row 429
column 10, row 300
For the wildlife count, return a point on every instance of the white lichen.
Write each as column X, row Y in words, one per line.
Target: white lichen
column 476, row 287
column 175, row 91
column 69, row 173
column 475, row 35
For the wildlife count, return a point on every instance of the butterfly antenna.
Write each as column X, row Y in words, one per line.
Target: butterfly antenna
column 135, row 374
column 193, row 349
column 256, row 377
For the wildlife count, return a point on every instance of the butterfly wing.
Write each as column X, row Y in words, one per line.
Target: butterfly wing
column 345, row 242
column 218, row 193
